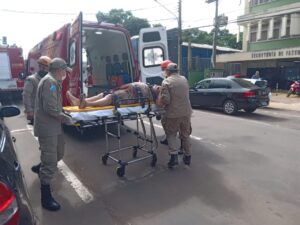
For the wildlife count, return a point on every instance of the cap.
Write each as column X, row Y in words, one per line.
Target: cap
column 58, row 63
column 44, row 60
column 172, row 67
column 164, row 64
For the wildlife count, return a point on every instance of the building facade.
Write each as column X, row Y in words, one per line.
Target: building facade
column 271, row 42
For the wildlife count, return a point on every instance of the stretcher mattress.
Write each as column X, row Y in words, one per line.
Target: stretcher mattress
column 97, row 113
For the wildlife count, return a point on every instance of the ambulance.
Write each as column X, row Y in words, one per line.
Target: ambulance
column 100, row 50
column 12, row 72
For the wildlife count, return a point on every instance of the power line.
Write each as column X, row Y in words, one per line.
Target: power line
column 66, row 14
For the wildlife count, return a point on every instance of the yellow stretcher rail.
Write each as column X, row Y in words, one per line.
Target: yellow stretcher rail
column 89, row 109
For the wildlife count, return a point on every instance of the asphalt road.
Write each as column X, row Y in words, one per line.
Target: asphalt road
column 245, row 170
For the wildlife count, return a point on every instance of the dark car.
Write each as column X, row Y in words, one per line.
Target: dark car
column 263, row 84
column 229, row 94
column 15, row 208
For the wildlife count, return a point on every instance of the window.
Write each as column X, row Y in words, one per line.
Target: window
column 244, row 83
column 253, row 33
column 259, row 2
column 264, row 31
column 203, row 84
column 153, row 56
column 151, row 36
column 220, row 84
column 277, row 28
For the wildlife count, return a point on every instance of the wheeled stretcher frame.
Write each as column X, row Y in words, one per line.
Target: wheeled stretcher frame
column 146, row 144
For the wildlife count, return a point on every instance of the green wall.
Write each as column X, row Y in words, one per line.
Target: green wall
column 275, row 44
column 273, row 4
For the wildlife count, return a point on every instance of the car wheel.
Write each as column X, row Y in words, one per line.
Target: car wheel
column 250, row 110
column 229, row 107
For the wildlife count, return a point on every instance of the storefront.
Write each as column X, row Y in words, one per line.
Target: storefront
column 279, row 67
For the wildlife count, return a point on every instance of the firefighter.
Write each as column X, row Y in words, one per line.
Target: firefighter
column 163, row 67
column 174, row 96
column 30, row 87
column 48, row 118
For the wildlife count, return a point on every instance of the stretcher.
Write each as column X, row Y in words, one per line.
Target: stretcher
column 117, row 114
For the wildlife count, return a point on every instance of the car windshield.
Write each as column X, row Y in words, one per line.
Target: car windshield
column 244, row 83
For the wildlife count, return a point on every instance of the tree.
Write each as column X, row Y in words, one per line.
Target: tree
column 225, row 38
column 157, row 25
column 125, row 18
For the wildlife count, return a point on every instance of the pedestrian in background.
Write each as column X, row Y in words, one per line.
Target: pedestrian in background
column 174, row 96
column 30, row 87
column 48, row 118
column 256, row 75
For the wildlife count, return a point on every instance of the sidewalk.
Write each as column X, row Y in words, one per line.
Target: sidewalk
column 280, row 101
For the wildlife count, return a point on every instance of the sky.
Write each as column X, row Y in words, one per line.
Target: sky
column 26, row 23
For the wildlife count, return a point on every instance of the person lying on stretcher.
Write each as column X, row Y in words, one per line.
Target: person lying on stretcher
column 133, row 90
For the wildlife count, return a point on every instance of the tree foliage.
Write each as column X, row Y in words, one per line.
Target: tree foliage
column 224, row 38
column 134, row 24
column 125, row 18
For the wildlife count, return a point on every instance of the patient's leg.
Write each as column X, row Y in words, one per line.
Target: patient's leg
column 95, row 98
column 72, row 99
column 104, row 101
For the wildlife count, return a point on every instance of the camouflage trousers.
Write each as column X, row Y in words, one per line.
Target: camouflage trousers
column 172, row 127
column 52, row 150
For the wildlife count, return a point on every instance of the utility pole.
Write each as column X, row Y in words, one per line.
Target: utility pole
column 178, row 18
column 216, row 29
column 179, row 37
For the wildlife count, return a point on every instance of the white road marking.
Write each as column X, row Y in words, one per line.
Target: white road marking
column 193, row 137
column 80, row 189
column 85, row 195
column 20, row 130
column 159, row 126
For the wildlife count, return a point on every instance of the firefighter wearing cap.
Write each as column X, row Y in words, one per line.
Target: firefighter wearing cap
column 48, row 118
column 174, row 97
column 31, row 84
column 163, row 67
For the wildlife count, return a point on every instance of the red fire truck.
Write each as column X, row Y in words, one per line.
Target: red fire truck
column 106, row 48
column 12, row 68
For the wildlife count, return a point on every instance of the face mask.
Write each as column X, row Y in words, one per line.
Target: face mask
column 42, row 73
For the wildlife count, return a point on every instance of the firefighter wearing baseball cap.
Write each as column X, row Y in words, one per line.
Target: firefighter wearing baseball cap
column 48, row 117
column 31, row 84
column 163, row 66
column 174, row 97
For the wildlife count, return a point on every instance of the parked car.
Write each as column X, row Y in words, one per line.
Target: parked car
column 229, row 94
column 263, row 84
column 15, row 207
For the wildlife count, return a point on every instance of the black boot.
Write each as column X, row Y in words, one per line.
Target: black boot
column 164, row 142
column 48, row 202
column 36, row 168
column 173, row 161
column 187, row 159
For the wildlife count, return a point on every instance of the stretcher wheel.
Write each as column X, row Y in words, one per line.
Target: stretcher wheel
column 121, row 171
column 154, row 160
column 104, row 159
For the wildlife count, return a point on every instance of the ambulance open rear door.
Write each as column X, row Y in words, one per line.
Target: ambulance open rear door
column 152, row 50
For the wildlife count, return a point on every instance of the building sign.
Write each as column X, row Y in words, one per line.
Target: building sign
column 285, row 53
column 276, row 54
